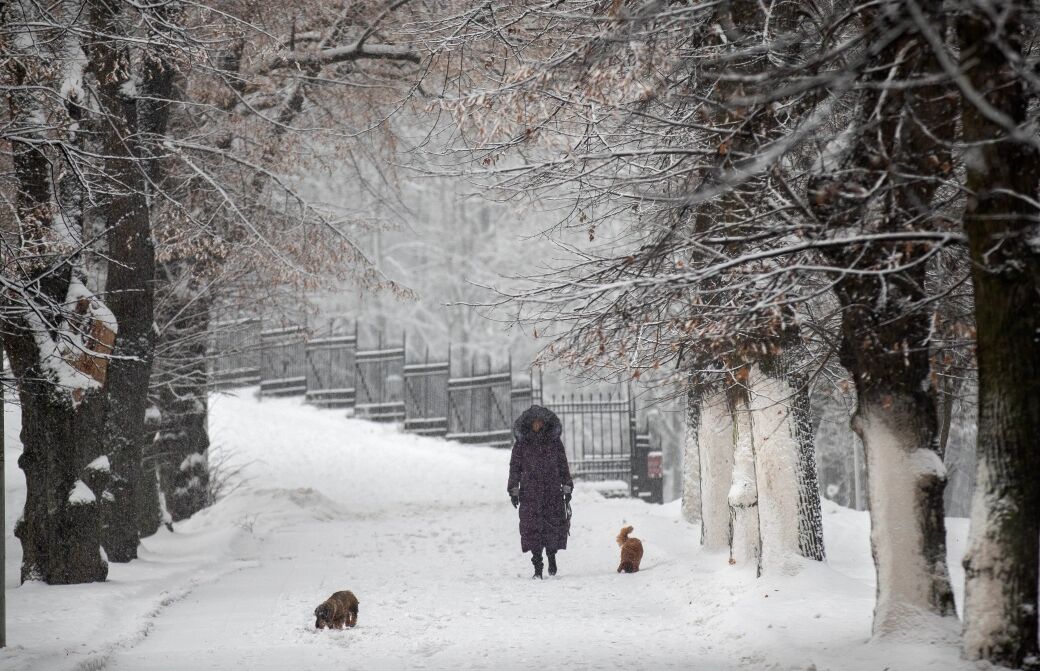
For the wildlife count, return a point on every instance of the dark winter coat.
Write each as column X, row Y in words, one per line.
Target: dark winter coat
column 538, row 468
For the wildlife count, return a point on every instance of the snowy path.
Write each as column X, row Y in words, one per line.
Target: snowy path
column 421, row 531
column 432, row 553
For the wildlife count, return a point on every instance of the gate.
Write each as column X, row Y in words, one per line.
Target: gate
column 283, row 362
column 379, row 384
column 331, row 371
column 426, row 398
column 480, row 409
column 234, row 353
column 523, row 396
column 599, row 435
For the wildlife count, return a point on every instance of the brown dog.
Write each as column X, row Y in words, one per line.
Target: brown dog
column 631, row 551
column 336, row 611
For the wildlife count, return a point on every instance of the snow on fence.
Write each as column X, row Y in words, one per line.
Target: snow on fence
column 382, row 384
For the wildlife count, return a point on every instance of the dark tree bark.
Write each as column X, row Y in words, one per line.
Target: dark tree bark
column 181, row 385
column 1001, row 220
column 810, row 514
column 162, row 87
column 131, row 272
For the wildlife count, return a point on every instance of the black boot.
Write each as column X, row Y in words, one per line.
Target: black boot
column 536, row 559
column 552, row 563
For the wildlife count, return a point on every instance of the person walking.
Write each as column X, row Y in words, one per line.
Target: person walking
column 540, row 484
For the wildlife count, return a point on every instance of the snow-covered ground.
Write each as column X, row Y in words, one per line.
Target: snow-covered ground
column 422, row 531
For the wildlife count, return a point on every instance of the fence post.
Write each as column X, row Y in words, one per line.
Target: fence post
column 260, row 395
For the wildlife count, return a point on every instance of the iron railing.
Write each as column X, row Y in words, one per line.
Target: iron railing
column 599, row 430
column 331, row 371
column 283, row 361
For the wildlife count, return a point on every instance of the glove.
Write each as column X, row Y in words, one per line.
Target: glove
column 515, row 500
column 567, row 493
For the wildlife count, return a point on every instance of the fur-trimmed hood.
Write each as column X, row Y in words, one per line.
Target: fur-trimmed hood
column 522, row 425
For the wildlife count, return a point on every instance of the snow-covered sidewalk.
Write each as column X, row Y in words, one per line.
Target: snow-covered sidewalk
column 421, row 530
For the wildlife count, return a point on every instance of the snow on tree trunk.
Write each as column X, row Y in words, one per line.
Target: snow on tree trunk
column 715, row 440
column 904, row 488
column 778, row 470
column 1001, row 566
column 793, row 384
column 691, row 461
column 746, row 539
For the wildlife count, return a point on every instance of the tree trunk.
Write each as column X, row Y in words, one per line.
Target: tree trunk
column 1001, row 566
column 810, row 515
column 60, row 526
column 129, row 286
column 149, row 508
column 904, row 489
column 60, row 529
column 746, row 538
column 902, row 140
column 789, row 515
column 691, row 461
column 163, row 86
column 715, row 440
column 180, row 452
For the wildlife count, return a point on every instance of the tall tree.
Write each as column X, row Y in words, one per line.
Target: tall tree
column 1002, row 221
column 896, row 160
column 57, row 330
column 129, row 288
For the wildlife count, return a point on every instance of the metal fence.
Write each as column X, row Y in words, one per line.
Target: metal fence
column 331, row 371
column 599, row 434
column 380, row 384
column 599, row 431
column 426, row 397
column 237, row 347
column 283, row 361
column 480, row 408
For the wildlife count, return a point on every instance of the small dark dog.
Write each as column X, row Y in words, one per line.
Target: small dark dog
column 338, row 610
column 631, row 551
